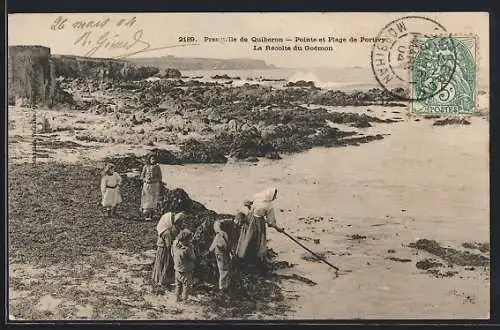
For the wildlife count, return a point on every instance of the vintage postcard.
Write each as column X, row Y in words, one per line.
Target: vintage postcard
column 248, row 166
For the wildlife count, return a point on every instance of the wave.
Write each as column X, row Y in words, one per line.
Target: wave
column 310, row 76
column 306, row 76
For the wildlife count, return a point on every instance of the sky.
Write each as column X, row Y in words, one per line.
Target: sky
column 161, row 30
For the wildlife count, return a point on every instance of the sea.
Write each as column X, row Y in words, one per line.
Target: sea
column 344, row 78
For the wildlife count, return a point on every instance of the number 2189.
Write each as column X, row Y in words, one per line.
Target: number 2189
column 186, row 39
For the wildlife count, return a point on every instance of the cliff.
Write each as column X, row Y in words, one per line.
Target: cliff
column 30, row 74
column 101, row 68
column 188, row 63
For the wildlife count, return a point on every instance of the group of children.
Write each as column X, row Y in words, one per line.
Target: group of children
column 151, row 178
column 175, row 252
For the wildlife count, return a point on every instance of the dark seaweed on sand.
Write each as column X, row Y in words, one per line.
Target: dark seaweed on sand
column 450, row 255
column 451, row 121
column 55, row 218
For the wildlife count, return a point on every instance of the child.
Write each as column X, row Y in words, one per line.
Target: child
column 221, row 248
column 184, row 259
column 110, row 189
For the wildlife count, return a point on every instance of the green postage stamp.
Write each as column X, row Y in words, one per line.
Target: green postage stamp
column 443, row 75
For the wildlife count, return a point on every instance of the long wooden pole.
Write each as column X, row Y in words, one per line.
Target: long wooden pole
column 313, row 253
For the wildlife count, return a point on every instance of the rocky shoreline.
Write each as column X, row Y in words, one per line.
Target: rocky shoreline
column 211, row 122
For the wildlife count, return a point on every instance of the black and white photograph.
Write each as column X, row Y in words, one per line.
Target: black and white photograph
column 248, row 166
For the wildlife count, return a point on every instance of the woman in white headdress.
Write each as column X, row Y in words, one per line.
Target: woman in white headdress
column 167, row 230
column 110, row 189
column 252, row 242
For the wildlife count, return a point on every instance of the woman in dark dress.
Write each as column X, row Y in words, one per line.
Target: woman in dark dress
column 252, row 245
column 163, row 269
column 152, row 179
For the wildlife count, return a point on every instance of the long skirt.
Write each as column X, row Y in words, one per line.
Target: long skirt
column 223, row 266
column 252, row 241
column 163, row 269
column 111, row 197
column 150, row 196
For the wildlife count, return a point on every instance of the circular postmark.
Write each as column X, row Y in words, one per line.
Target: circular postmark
column 399, row 43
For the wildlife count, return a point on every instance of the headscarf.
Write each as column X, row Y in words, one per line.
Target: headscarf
column 217, row 227
column 179, row 216
column 168, row 220
column 263, row 205
column 267, row 195
column 109, row 166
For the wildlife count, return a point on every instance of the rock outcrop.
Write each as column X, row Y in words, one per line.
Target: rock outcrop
column 30, row 74
column 100, row 68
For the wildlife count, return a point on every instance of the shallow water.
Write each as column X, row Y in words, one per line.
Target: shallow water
column 419, row 182
column 343, row 78
column 439, row 175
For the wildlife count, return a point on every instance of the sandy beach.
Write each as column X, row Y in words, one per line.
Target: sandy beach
column 373, row 127
column 359, row 206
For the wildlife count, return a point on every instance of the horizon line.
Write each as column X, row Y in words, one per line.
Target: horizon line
column 272, row 66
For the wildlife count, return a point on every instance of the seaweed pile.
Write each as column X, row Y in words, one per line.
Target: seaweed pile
column 55, row 215
column 451, row 121
column 450, row 255
column 126, row 162
column 482, row 247
column 245, row 144
column 65, row 226
column 192, row 151
column 427, row 264
column 356, row 119
column 50, row 226
column 200, row 221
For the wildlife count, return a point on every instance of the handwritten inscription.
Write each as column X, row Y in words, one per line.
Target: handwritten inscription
column 121, row 35
column 108, row 40
column 60, row 23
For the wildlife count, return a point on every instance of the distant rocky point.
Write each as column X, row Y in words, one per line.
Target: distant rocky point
column 100, row 68
column 187, row 63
